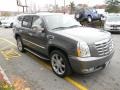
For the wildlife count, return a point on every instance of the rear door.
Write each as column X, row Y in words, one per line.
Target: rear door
column 26, row 30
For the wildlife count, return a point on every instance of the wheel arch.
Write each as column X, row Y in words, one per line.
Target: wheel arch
column 89, row 16
column 17, row 35
column 53, row 47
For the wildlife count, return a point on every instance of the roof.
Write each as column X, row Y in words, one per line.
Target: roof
column 41, row 14
column 48, row 13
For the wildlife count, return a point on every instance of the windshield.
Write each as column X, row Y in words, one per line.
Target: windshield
column 113, row 18
column 92, row 10
column 60, row 21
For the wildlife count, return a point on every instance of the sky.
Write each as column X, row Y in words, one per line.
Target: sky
column 10, row 5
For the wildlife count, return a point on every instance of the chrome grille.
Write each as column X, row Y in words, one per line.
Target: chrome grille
column 104, row 47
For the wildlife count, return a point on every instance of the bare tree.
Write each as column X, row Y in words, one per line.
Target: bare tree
column 72, row 7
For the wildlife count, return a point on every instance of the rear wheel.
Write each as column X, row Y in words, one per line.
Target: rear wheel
column 11, row 25
column 89, row 19
column 60, row 64
column 20, row 45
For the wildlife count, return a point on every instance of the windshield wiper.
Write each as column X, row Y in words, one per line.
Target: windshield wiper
column 59, row 28
column 74, row 26
column 67, row 27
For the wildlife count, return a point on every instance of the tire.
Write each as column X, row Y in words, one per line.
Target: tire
column 89, row 19
column 20, row 45
column 101, row 18
column 60, row 64
column 11, row 25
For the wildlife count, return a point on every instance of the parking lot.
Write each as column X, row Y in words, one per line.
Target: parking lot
column 37, row 74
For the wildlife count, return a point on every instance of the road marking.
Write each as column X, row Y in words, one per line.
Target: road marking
column 5, row 47
column 10, row 53
column 78, row 85
column 68, row 79
column 1, row 42
column 9, row 42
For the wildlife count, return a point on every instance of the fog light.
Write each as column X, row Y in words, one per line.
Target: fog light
column 88, row 70
column 85, row 70
column 91, row 69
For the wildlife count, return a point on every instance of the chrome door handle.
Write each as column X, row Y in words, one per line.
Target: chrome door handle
column 50, row 37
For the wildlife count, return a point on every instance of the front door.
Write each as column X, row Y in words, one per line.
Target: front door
column 38, row 37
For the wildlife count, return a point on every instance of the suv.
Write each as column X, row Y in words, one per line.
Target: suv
column 88, row 14
column 62, row 40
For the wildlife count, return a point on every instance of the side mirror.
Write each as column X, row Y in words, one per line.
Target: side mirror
column 37, row 29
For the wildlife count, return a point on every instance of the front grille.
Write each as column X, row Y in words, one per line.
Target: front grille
column 104, row 47
column 115, row 25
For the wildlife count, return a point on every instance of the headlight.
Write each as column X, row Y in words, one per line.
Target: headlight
column 83, row 49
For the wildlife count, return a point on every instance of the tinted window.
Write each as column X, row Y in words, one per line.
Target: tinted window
column 35, row 18
column 57, row 21
column 37, row 21
column 27, row 21
column 20, row 18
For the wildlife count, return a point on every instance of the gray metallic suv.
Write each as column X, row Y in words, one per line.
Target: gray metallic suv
column 62, row 40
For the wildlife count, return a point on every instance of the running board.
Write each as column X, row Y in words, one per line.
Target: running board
column 40, row 56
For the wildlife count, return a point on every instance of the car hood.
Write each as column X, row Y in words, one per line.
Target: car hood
column 87, row 34
column 113, row 23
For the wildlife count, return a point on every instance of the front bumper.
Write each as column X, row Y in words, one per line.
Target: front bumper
column 90, row 64
column 113, row 30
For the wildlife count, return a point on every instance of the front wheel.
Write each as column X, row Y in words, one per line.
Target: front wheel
column 60, row 64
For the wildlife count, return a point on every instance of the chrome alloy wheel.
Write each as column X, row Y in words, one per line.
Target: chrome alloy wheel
column 58, row 64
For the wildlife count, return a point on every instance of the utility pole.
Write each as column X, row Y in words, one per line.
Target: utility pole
column 26, row 5
column 23, row 6
column 55, row 7
column 64, row 7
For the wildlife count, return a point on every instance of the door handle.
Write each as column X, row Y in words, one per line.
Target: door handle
column 30, row 34
column 20, row 30
column 50, row 37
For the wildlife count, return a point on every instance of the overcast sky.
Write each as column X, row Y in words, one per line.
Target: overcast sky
column 10, row 5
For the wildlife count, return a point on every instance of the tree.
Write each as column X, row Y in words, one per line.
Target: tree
column 113, row 6
column 72, row 7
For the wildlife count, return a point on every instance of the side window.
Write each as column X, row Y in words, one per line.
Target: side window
column 18, row 22
column 20, row 18
column 37, row 21
column 27, row 21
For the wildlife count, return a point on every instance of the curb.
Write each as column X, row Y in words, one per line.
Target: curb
column 3, row 76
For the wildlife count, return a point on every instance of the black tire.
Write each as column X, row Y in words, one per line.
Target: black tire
column 89, row 19
column 65, row 62
column 20, row 45
column 11, row 25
